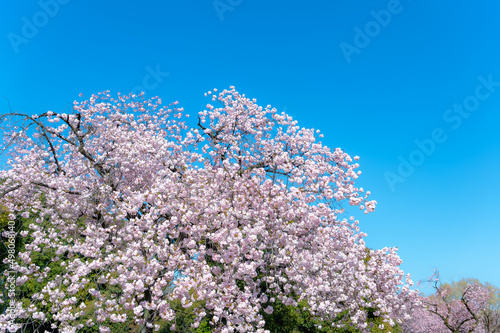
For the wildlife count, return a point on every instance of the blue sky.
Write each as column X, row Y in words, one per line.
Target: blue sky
column 374, row 76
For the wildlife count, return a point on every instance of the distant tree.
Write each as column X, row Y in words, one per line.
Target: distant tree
column 491, row 315
column 459, row 307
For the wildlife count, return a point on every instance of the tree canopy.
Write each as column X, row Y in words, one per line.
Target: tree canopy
column 145, row 216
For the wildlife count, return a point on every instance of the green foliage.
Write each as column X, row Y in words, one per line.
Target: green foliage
column 184, row 319
column 290, row 319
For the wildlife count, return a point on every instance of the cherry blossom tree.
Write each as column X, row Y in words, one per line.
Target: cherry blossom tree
column 458, row 307
column 227, row 217
column 490, row 317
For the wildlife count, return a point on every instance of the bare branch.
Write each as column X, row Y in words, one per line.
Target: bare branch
column 7, row 191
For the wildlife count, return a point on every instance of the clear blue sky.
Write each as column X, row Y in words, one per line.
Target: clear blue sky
column 373, row 83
